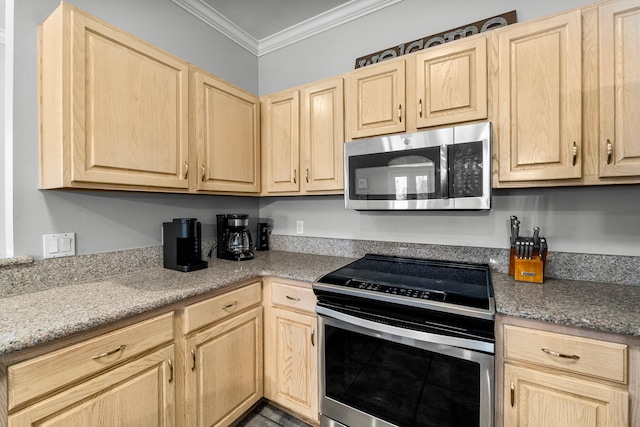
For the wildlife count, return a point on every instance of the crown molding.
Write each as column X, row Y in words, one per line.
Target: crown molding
column 214, row 19
column 323, row 22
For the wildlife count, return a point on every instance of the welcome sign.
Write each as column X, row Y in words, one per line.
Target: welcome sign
column 438, row 39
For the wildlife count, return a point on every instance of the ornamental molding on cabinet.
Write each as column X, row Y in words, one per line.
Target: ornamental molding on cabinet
column 318, row 24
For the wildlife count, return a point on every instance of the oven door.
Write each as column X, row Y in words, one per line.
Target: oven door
column 380, row 375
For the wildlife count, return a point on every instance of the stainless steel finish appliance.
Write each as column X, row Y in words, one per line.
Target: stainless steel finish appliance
column 406, row 342
column 182, row 245
column 234, row 239
column 448, row 168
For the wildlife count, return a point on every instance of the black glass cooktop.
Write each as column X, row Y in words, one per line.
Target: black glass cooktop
column 414, row 281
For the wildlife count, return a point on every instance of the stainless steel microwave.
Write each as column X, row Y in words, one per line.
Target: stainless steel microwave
column 448, row 168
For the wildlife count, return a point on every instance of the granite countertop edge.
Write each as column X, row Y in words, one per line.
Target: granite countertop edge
column 33, row 319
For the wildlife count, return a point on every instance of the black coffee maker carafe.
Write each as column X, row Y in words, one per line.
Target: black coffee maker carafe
column 182, row 245
column 234, row 238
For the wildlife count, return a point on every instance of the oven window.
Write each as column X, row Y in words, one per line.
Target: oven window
column 400, row 384
column 398, row 175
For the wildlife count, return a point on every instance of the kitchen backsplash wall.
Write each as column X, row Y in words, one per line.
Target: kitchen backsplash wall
column 593, row 220
column 39, row 275
column 560, row 265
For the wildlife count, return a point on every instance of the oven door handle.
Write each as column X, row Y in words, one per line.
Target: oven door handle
column 377, row 328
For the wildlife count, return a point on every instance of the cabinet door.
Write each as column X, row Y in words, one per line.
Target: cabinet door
column 535, row 398
column 376, row 100
column 226, row 134
column 619, row 88
column 139, row 393
column 293, row 362
column 226, row 375
column 451, row 82
column 539, row 99
column 323, row 136
column 129, row 112
column 282, row 142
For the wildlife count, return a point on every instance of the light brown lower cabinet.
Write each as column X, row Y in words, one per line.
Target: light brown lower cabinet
column 538, row 398
column 126, row 377
column 291, row 352
column 559, row 379
column 139, row 393
column 225, row 377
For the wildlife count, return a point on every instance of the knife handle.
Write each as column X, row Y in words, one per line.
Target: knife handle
column 543, row 250
column 536, row 236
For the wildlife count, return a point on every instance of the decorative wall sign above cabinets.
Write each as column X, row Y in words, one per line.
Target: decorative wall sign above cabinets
column 438, row 39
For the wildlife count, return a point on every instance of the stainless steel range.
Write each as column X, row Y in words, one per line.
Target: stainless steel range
column 406, row 342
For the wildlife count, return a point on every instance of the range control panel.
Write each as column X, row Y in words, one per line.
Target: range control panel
column 394, row 290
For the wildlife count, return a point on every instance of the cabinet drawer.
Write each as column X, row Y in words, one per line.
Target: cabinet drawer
column 296, row 297
column 600, row 359
column 41, row 375
column 221, row 307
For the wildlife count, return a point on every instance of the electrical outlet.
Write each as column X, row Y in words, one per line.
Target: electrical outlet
column 300, row 227
column 59, row 245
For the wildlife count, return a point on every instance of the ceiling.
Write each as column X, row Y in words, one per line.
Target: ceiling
column 262, row 26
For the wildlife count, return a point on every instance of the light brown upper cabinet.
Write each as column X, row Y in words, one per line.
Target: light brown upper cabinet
column 323, row 135
column 619, row 146
column 113, row 108
column 376, row 99
column 225, row 132
column 451, row 82
column 281, row 142
column 303, row 137
column 539, row 115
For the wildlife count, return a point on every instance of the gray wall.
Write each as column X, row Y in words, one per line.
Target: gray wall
column 584, row 220
column 106, row 221
column 335, row 51
column 2, row 138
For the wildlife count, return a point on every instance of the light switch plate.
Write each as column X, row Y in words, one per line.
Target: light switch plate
column 59, row 245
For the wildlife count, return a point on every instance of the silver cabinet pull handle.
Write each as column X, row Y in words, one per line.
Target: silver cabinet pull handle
column 564, row 356
column 513, row 393
column 186, row 170
column 609, row 151
column 575, row 153
column 193, row 359
column 295, row 174
column 225, row 307
column 170, row 364
column 313, row 337
column 293, row 298
column 400, row 113
column 109, row 353
column 420, row 108
column 203, row 170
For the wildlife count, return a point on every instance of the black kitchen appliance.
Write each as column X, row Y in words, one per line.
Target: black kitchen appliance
column 406, row 342
column 263, row 236
column 234, row 239
column 183, row 245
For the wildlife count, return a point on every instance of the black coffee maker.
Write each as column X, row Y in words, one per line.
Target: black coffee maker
column 234, row 238
column 183, row 245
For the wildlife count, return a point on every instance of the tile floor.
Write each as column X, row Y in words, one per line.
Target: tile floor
column 265, row 415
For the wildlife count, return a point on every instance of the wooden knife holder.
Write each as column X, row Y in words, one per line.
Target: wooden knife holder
column 529, row 270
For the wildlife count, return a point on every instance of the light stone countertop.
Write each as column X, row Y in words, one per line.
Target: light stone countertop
column 30, row 319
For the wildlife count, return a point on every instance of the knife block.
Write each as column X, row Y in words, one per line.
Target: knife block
column 529, row 270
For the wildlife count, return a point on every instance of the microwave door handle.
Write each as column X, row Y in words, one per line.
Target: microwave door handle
column 444, row 172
